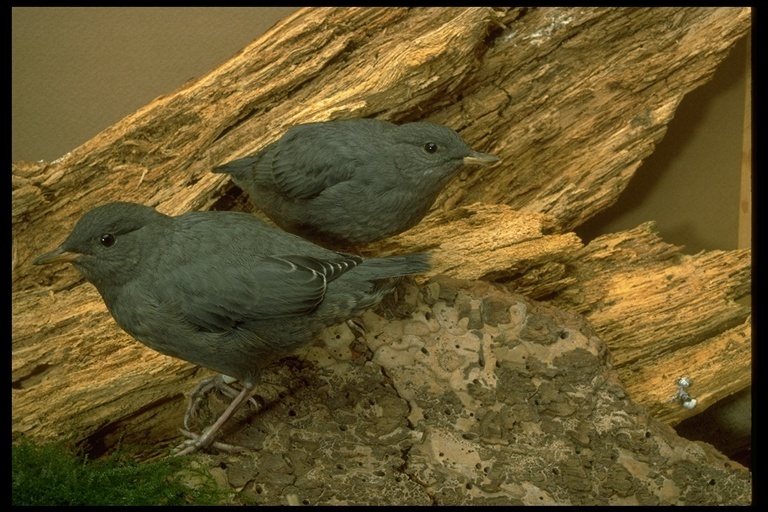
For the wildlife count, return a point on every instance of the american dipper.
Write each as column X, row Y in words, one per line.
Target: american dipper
column 223, row 290
column 351, row 182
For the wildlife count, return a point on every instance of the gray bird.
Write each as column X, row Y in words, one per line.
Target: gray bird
column 223, row 290
column 351, row 182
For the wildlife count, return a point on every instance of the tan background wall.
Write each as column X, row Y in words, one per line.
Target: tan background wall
column 75, row 71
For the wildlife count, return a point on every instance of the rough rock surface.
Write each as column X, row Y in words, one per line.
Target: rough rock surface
column 460, row 392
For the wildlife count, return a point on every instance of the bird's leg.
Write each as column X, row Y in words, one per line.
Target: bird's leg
column 196, row 396
column 357, row 327
column 206, row 438
column 205, row 386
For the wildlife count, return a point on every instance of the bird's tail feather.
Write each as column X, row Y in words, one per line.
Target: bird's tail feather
column 396, row 266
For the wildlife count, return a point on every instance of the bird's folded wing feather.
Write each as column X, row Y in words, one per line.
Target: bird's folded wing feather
column 300, row 173
column 264, row 288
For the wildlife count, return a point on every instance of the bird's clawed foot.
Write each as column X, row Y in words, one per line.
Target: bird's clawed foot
column 204, row 387
column 197, row 442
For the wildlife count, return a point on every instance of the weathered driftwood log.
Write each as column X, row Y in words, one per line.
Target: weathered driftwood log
column 572, row 100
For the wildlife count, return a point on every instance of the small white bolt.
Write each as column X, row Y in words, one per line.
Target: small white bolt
column 690, row 404
column 682, row 395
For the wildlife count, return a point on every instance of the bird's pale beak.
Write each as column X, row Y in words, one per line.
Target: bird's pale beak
column 480, row 159
column 58, row 255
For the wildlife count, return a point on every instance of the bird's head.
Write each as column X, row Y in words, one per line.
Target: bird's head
column 433, row 153
column 103, row 244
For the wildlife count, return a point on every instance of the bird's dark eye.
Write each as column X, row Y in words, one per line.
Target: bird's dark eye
column 107, row 239
column 430, row 147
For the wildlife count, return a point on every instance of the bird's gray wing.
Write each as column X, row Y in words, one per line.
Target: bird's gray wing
column 261, row 288
column 306, row 162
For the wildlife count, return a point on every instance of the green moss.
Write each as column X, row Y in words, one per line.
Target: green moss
column 51, row 475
